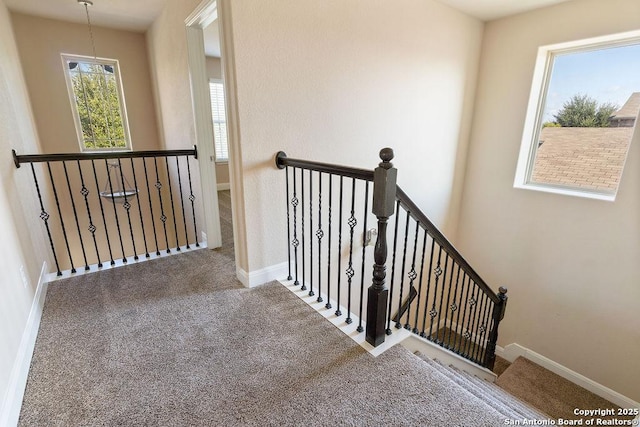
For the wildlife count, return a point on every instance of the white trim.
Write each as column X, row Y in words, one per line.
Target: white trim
column 204, row 14
column 258, row 277
column 349, row 329
column 106, row 265
column 512, row 351
column 224, row 186
column 12, row 402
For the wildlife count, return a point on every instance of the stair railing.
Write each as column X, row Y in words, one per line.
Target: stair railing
column 433, row 291
column 101, row 207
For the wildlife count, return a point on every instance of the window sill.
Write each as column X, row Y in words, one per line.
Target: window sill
column 566, row 191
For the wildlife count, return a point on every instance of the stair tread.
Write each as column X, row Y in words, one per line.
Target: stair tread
column 490, row 394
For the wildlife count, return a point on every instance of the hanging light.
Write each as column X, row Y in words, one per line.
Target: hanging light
column 117, row 189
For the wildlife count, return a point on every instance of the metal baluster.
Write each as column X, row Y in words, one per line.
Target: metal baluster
column 426, row 297
column 44, row 216
column 311, row 293
column 153, row 220
column 184, row 217
column 444, row 282
column 135, row 184
column 173, row 210
column 92, row 228
column 364, row 253
column 288, row 226
column 192, row 197
column 295, row 242
column 338, row 312
column 319, row 235
column 393, row 267
column 127, row 207
column 104, row 220
column 419, row 297
column 163, row 217
column 404, row 260
column 328, row 304
column 447, row 307
column 64, row 230
column 433, row 312
column 412, row 274
column 474, row 333
column 473, row 303
column 304, row 286
column 483, row 330
column 75, row 215
column 464, row 304
column 115, row 210
column 350, row 272
column 453, row 307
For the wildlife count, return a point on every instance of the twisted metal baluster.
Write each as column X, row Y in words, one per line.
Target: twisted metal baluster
column 288, row 226
column 115, row 210
column 426, row 298
column 444, row 280
column 433, row 312
column 412, row 274
column 295, row 242
column 304, row 286
column 453, row 307
column 163, row 217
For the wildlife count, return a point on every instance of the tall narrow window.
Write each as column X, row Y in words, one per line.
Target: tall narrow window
column 97, row 102
column 216, row 88
column 583, row 109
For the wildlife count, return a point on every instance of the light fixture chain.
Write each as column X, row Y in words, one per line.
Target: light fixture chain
column 93, row 45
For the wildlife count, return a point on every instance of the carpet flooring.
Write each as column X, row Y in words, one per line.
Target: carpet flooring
column 177, row 341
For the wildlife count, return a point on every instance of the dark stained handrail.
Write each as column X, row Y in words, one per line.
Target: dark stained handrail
column 283, row 161
column 437, row 235
column 41, row 158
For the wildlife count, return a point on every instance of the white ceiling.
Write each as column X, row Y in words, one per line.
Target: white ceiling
column 493, row 9
column 134, row 15
column 138, row 15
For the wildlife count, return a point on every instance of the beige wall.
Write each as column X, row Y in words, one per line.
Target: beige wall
column 22, row 241
column 214, row 71
column 40, row 43
column 337, row 81
column 571, row 264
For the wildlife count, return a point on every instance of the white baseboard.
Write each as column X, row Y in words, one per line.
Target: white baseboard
column 18, row 378
column 258, row 277
column 224, row 186
column 512, row 351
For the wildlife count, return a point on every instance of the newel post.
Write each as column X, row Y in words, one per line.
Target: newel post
column 497, row 315
column 384, row 199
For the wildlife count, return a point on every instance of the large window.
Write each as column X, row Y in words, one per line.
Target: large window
column 583, row 108
column 97, row 102
column 216, row 89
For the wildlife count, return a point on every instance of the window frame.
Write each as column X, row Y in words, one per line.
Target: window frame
column 537, row 100
column 215, row 153
column 66, row 58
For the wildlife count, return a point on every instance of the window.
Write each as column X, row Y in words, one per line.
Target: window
column 216, row 89
column 581, row 117
column 97, row 102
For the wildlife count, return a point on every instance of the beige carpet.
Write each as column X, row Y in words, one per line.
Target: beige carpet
column 549, row 392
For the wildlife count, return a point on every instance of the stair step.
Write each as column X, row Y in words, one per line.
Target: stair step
column 493, row 396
